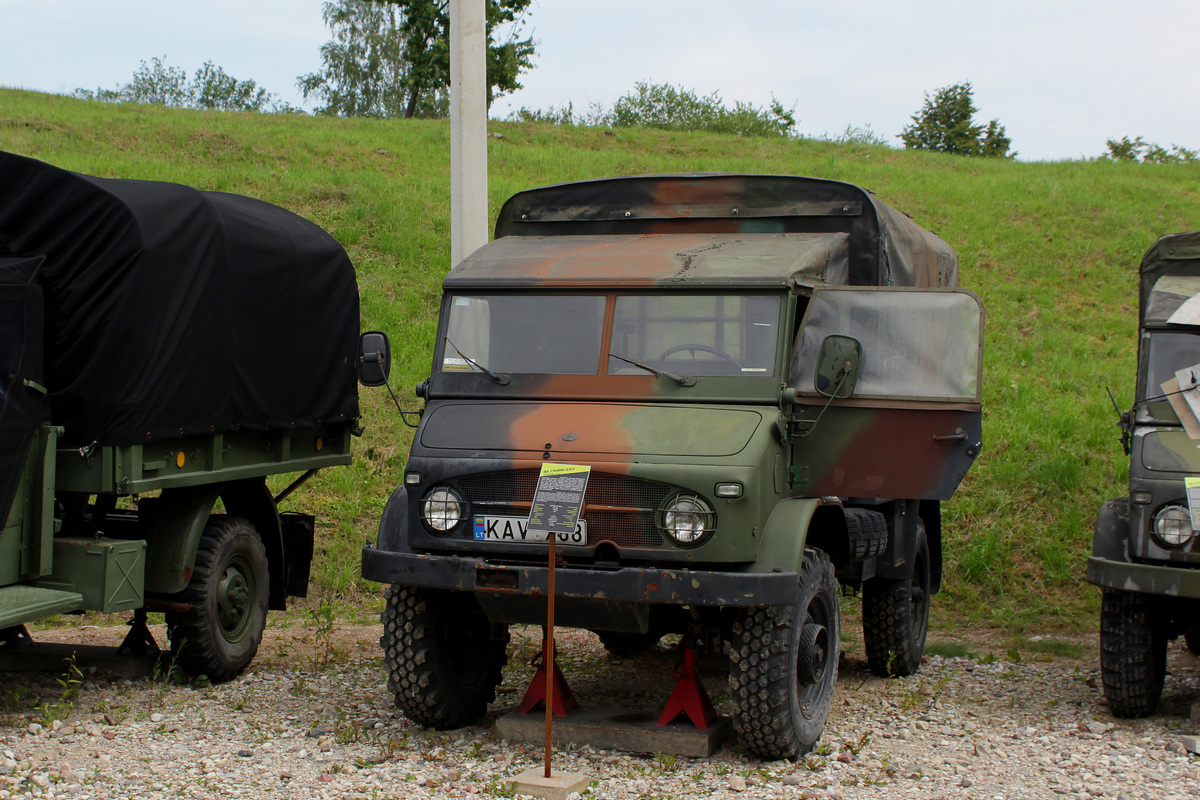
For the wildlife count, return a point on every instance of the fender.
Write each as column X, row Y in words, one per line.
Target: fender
column 1110, row 538
column 174, row 522
column 785, row 535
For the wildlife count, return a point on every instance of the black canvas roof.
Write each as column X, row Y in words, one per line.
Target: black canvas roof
column 173, row 312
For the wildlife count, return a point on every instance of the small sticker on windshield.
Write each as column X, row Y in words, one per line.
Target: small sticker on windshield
column 452, row 364
column 462, row 301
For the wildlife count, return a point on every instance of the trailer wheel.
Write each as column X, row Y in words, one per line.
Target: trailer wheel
column 442, row 654
column 895, row 616
column 228, row 593
column 1133, row 653
column 783, row 666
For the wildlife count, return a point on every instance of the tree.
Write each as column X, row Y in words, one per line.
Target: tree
column 365, row 69
column 391, row 58
column 945, row 125
column 212, row 88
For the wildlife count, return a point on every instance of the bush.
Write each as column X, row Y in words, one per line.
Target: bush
column 675, row 109
column 1140, row 151
column 212, row 88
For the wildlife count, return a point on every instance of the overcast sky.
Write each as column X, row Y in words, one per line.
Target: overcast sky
column 1061, row 75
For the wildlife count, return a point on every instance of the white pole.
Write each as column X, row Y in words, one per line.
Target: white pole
column 468, row 129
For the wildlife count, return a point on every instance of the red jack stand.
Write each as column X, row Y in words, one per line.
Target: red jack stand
column 564, row 698
column 689, row 696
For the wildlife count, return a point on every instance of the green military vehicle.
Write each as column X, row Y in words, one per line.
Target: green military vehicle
column 162, row 351
column 1146, row 548
column 774, row 382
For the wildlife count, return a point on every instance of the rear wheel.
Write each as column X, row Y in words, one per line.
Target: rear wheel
column 1133, row 653
column 895, row 615
column 228, row 593
column 783, row 666
column 442, row 654
column 1191, row 637
column 628, row 645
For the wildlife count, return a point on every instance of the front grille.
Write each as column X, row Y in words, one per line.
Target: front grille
column 617, row 508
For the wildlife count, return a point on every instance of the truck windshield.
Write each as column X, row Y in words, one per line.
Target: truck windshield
column 563, row 334
column 696, row 334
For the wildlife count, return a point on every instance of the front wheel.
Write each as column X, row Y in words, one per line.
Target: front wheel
column 783, row 666
column 228, row 594
column 895, row 616
column 1133, row 653
column 442, row 654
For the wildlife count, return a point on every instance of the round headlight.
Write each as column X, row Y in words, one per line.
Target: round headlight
column 1173, row 526
column 687, row 519
column 442, row 509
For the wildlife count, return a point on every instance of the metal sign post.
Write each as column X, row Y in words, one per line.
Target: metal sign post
column 557, row 502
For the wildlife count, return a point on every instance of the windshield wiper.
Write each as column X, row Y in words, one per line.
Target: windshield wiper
column 662, row 373
column 503, row 380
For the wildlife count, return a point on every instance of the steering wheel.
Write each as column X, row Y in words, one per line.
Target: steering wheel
column 702, row 348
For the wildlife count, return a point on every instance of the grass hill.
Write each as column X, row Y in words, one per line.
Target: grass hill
column 1052, row 248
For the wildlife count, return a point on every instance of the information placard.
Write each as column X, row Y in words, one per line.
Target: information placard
column 557, row 502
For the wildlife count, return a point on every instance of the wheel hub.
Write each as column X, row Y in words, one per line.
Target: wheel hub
column 811, row 653
column 233, row 600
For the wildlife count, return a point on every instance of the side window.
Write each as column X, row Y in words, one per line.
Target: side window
column 916, row 344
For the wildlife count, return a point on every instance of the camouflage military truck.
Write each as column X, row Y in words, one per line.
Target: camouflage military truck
column 1146, row 548
column 162, row 351
column 775, row 384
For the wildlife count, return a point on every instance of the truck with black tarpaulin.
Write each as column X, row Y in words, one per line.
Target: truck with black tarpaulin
column 162, row 351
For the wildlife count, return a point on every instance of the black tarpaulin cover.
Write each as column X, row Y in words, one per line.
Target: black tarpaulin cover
column 175, row 312
column 23, row 407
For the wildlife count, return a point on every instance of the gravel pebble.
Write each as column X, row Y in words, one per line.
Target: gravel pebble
column 313, row 721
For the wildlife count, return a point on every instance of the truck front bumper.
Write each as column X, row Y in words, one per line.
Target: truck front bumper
column 1144, row 578
column 626, row 585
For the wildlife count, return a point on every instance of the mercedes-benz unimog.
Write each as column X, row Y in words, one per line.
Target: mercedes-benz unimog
column 1146, row 547
column 162, row 351
column 774, row 382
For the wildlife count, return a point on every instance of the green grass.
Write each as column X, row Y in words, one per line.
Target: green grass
column 1052, row 248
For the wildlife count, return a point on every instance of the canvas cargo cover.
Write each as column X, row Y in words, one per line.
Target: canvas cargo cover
column 886, row 248
column 1169, row 273
column 175, row 312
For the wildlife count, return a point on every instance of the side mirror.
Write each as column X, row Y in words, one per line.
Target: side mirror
column 374, row 358
column 837, row 366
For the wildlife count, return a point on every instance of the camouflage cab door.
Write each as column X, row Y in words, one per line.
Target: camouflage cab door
column 886, row 389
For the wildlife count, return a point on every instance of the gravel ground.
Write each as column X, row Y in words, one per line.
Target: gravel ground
column 313, row 719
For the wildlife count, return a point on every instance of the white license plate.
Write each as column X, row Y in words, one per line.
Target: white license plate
column 512, row 529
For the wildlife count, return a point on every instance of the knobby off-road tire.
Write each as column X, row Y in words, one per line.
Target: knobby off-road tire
column 228, row 593
column 627, row 645
column 1133, row 653
column 783, row 666
column 895, row 616
column 443, row 656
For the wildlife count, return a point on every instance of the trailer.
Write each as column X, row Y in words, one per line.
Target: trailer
column 163, row 350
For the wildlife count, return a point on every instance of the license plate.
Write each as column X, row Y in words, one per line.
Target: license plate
column 512, row 529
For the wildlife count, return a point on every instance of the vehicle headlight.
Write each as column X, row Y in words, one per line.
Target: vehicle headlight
column 1173, row 526
column 442, row 509
column 687, row 519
